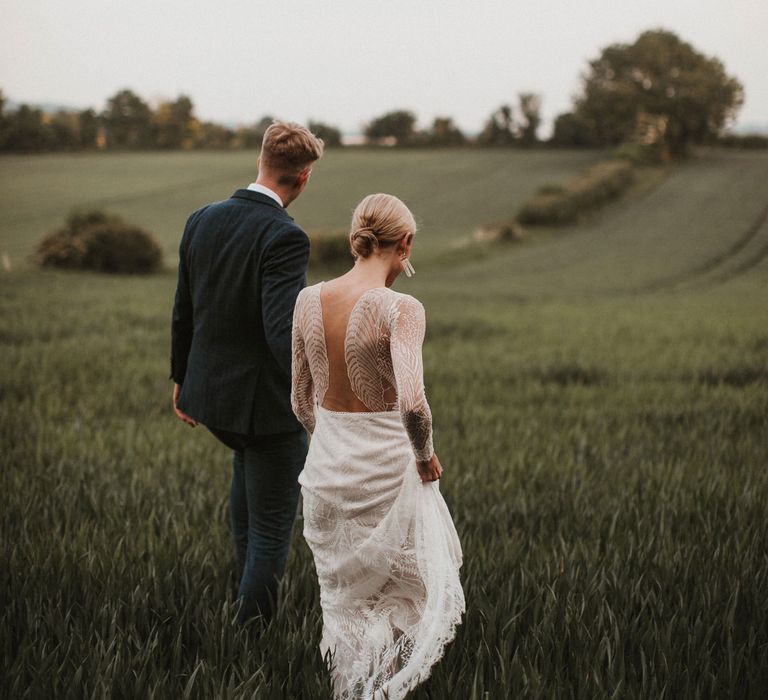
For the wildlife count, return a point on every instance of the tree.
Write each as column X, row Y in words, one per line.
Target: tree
column 216, row 136
column 330, row 135
column 500, row 129
column 3, row 122
column 445, row 133
column 174, row 124
column 26, row 131
column 530, row 108
column 65, row 130
column 252, row 136
column 574, row 130
column 128, row 120
column 89, row 126
column 659, row 75
column 397, row 126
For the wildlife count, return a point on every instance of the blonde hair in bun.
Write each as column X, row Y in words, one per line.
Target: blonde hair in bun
column 379, row 221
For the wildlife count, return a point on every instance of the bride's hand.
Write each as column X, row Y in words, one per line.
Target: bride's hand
column 430, row 470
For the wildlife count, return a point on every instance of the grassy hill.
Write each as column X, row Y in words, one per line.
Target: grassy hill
column 450, row 191
column 600, row 396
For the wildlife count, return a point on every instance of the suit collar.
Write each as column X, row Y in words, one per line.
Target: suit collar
column 258, row 187
column 244, row 193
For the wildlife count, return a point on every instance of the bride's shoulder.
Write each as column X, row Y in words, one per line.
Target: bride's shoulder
column 308, row 291
column 405, row 305
column 306, row 297
column 403, row 298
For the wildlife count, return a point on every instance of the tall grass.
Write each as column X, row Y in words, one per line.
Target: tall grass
column 609, row 489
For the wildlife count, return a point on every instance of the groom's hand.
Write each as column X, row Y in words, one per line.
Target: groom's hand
column 183, row 416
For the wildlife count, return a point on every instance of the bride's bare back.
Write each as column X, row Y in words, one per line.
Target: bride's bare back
column 337, row 301
column 358, row 349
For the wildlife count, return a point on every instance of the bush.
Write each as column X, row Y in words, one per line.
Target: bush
column 592, row 188
column 95, row 240
column 329, row 247
column 120, row 248
column 80, row 219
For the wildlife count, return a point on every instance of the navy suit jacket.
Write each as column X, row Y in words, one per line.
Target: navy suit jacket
column 242, row 263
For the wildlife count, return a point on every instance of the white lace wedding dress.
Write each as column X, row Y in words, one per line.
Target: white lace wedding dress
column 385, row 547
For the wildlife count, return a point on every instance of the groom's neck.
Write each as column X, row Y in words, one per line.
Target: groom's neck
column 286, row 194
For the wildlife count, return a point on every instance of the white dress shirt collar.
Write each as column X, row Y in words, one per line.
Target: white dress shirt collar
column 256, row 187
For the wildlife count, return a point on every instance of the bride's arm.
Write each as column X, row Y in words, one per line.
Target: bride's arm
column 302, row 388
column 406, row 338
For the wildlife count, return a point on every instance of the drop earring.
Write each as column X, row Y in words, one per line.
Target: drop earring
column 407, row 267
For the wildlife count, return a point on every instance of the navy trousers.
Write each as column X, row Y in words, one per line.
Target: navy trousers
column 263, row 501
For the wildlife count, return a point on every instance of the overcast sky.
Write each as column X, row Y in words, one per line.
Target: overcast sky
column 345, row 61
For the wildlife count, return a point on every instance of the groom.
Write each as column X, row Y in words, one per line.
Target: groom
column 242, row 262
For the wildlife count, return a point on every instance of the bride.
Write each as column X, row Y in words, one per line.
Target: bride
column 385, row 548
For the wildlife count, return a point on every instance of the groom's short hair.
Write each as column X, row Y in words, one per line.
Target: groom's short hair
column 288, row 148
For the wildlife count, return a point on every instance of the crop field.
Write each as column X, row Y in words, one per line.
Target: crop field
column 600, row 396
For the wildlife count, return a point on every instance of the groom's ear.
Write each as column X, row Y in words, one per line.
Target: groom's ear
column 303, row 176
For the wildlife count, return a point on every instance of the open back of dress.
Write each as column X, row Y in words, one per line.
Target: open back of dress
column 382, row 365
column 385, row 548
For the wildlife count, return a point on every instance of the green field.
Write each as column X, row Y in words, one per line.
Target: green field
column 600, row 394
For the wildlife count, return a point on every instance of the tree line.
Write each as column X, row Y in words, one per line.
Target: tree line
column 657, row 90
column 127, row 122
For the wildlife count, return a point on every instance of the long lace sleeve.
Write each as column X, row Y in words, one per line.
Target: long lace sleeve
column 302, row 388
column 406, row 338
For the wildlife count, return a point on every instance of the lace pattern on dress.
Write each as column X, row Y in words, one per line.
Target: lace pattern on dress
column 387, row 561
column 382, row 349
